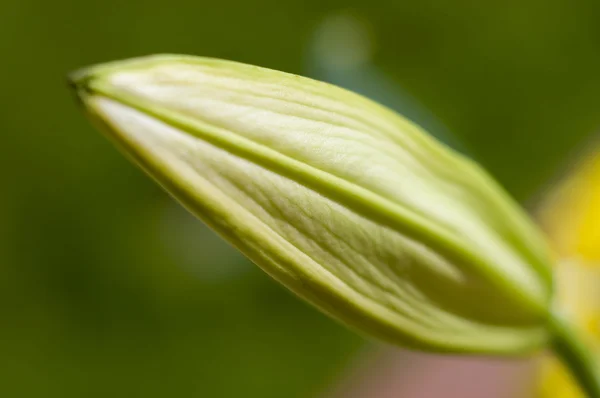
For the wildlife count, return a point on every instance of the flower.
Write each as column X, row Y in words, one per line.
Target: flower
column 571, row 217
column 346, row 203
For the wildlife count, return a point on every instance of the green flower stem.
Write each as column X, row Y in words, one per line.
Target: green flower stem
column 578, row 358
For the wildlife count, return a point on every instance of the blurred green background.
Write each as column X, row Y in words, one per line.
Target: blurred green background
column 109, row 289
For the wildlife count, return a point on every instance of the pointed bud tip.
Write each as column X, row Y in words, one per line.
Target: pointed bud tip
column 78, row 78
column 79, row 81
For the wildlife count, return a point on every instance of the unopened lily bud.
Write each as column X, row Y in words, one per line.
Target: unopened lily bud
column 346, row 203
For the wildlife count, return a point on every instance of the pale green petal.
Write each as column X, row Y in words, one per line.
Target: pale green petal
column 346, row 203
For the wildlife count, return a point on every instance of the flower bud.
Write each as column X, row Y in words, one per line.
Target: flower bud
column 346, row 203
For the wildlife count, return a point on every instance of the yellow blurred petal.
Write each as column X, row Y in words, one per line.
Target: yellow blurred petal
column 571, row 213
column 557, row 381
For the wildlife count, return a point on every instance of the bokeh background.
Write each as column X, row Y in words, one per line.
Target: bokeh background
column 109, row 289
